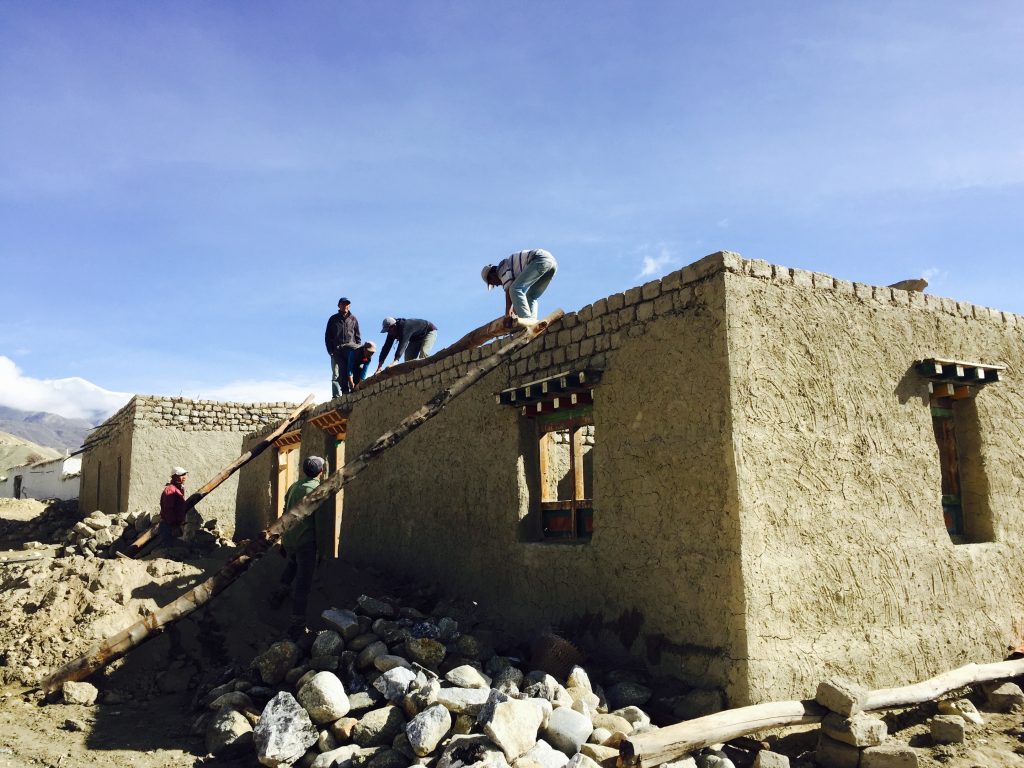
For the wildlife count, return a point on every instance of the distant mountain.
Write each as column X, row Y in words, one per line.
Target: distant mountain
column 15, row 451
column 45, row 429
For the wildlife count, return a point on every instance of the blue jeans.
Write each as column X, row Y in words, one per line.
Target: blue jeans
column 531, row 283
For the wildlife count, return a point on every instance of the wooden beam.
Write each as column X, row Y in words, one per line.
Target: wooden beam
column 118, row 645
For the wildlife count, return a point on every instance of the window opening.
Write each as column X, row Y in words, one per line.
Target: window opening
column 334, row 423
column 562, row 470
column 952, row 385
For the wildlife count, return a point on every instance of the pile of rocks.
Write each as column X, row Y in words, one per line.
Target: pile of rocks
column 850, row 737
column 388, row 687
column 99, row 534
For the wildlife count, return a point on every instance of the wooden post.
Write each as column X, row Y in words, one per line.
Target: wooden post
column 117, row 645
column 228, row 471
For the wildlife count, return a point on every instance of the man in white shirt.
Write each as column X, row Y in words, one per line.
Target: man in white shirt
column 525, row 276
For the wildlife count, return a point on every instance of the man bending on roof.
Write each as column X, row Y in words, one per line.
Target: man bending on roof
column 524, row 275
column 415, row 338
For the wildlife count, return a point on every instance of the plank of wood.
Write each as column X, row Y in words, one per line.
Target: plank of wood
column 118, row 645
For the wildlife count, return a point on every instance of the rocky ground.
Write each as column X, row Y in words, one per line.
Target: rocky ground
column 387, row 675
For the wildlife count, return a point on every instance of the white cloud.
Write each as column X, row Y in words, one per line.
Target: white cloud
column 73, row 398
column 655, row 265
column 722, row 223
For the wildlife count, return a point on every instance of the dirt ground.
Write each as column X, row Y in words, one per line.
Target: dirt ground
column 52, row 609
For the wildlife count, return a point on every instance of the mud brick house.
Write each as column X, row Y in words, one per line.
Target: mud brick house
column 128, row 458
column 746, row 475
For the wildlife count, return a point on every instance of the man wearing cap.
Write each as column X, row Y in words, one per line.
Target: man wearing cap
column 340, row 338
column 298, row 544
column 358, row 363
column 172, row 508
column 524, row 275
column 415, row 338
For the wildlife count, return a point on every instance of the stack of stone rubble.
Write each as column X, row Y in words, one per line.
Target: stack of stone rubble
column 99, row 534
column 389, row 687
column 851, row 738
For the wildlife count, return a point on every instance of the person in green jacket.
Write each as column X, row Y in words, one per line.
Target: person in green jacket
column 298, row 544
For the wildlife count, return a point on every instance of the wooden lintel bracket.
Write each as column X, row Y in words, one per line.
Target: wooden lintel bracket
column 958, row 371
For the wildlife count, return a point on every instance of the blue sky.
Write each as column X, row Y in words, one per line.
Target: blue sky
column 187, row 188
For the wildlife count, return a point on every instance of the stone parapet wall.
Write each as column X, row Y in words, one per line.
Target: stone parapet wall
column 207, row 415
column 583, row 338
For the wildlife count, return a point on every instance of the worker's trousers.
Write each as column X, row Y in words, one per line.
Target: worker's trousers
column 531, row 283
column 300, row 568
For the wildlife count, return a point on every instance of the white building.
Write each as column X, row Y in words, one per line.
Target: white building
column 49, row 479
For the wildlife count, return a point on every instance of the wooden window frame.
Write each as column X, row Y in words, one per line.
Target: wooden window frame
column 580, row 508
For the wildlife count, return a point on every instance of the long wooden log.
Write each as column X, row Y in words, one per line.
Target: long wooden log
column 117, row 645
column 673, row 741
column 228, row 471
column 492, row 330
column 933, row 687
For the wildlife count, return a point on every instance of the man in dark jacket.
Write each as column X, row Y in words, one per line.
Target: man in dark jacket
column 340, row 338
column 415, row 338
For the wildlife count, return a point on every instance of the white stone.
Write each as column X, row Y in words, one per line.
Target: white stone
column 768, row 759
column 686, row 762
column 324, row 698
column 395, row 683
column 578, row 678
column 513, row 726
column 426, row 730
column 545, row 755
column 580, row 760
column 467, row 701
column 284, row 732
column 228, row 730
column 79, row 693
column 567, row 730
column 962, row 707
column 634, row 716
column 467, row 676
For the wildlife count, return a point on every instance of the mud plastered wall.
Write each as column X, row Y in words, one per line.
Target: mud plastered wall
column 129, row 458
column 254, row 497
column 105, row 447
column 847, row 563
column 660, row 579
column 156, row 449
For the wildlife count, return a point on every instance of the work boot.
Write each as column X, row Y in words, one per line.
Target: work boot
column 276, row 598
column 297, row 629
